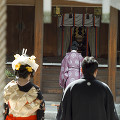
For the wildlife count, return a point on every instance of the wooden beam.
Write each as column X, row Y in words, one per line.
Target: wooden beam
column 112, row 49
column 21, row 2
column 38, row 42
column 61, row 3
column 65, row 3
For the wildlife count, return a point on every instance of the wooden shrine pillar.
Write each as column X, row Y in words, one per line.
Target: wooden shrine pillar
column 112, row 49
column 38, row 41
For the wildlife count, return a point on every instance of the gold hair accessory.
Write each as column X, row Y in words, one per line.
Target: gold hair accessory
column 17, row 66
column 29, row 69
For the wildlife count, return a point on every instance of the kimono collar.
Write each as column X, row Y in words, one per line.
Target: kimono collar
column 89, row 77
column 73, row 51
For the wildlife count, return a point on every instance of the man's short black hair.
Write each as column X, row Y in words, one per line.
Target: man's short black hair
column 74, row 45
column 89, row 65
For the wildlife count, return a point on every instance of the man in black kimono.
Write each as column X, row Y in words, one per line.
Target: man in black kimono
column 87, row 98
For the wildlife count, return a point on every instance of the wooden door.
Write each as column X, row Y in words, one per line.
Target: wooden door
column 20, row 30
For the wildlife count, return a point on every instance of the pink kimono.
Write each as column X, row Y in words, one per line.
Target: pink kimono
column 70, row 68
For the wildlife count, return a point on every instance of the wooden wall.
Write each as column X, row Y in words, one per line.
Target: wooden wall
column 72, row 3
column 20, row 30
column 54, row 3
column 118, row 43
column 119, row 30
column 103, row 42
column 52, row 89
column 50, row 38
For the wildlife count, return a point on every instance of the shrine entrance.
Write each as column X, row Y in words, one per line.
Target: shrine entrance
column 57, row 39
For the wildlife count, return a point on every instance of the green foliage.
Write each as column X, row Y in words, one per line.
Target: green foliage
column 8, row 73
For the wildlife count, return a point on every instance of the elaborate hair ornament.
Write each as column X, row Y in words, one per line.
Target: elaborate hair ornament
column 23, row 60
column 24, row 51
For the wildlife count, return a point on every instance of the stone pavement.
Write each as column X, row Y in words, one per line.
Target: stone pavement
column 51, row 110
column 118, row 109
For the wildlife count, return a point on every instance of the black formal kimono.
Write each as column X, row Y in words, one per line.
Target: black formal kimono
column 87, row 99
column 23, row 102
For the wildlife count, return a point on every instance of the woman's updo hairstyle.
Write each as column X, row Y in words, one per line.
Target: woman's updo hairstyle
column 23, row 71
column 23, row 65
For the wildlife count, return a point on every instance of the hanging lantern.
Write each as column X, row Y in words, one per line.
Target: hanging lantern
column 97, row 11
column 47, row 11
column 58, row 10
column 105, row 11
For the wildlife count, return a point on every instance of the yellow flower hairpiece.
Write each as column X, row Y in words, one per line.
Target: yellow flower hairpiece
column 32, row 58
column 17, row 66
column 29, row 69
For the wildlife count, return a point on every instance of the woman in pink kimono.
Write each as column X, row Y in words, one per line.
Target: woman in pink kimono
column 71, row 66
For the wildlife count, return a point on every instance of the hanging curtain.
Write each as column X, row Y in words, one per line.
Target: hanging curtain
column 91, row 39
column 78, row 20
column 59, row 41
column 66, row 40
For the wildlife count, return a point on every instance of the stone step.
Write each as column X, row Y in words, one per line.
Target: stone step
column 50, row 77
column 52, row 84
column 51, row 110
column 52, row 90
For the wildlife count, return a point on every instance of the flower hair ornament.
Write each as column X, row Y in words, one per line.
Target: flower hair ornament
column 23, row 60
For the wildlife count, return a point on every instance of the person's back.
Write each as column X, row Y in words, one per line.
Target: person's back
column 88, row 98
column 70, row 67
column 23, row 99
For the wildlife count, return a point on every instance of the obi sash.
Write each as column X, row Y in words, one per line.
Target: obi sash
column 10, row 117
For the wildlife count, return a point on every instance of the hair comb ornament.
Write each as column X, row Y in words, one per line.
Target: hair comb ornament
column 24, row 51
column 23, row 60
